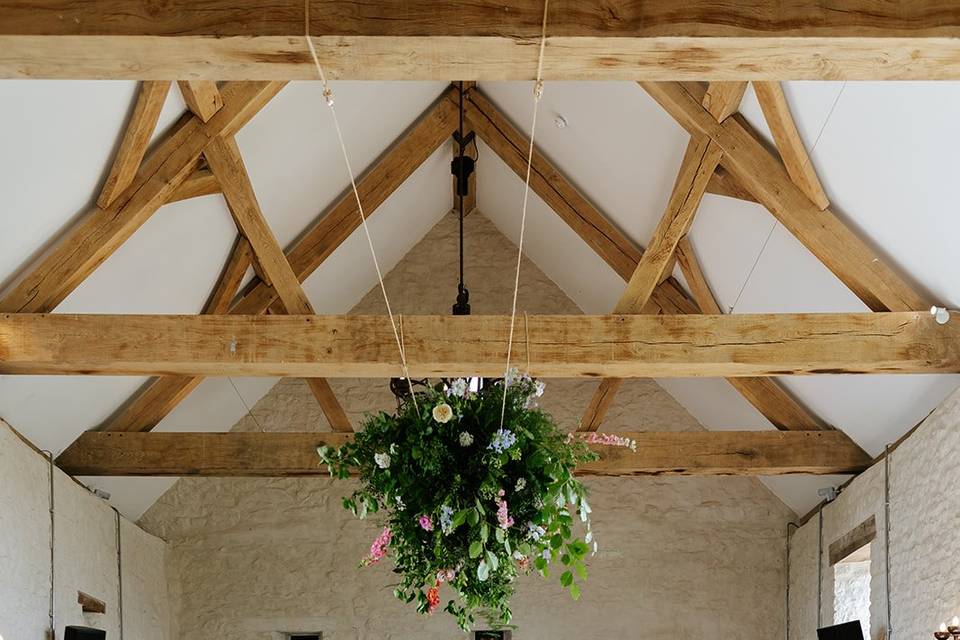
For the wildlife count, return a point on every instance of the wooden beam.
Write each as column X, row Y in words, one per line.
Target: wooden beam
column 698, row 453
column 143, row 121
column 202, row 97
column 566, row 201
column 765, row 394
column 443, row 346
column 777, row 113
column 201, row 182
column 722, row 99
column 423, row 39
column 99, row 232
column 724, row 184
column 223, row 156
column 851, row 259
column 861, row 535
column 318, row 242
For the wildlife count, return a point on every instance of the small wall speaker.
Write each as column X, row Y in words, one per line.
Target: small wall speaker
column 845, row 631
column 84, row 633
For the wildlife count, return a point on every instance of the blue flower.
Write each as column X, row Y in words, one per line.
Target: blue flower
column 446, row 519
column 458, row 388
column 502, row 440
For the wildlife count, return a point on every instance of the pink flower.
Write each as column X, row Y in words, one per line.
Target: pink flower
column 523, row 563
column 425, row 523
column 503, row 517
column 379, row 547
column 605, row 439
column 446, row 575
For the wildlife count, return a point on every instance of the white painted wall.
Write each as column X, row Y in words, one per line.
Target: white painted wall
column 85, row 556
column 924, row 519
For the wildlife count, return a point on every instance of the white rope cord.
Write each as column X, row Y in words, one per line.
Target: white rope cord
column 537, row 93
column 328, row 96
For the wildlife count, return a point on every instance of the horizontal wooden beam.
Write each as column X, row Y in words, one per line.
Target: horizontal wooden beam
column 482, row 40
column 551, row 346
column 295, row 454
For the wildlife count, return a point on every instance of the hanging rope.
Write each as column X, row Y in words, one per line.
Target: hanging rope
column 537, row 93
column 328, row 97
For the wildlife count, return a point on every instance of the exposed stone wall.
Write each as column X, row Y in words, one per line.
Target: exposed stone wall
column 85, row 555
column 924, row 519
column 701, row 557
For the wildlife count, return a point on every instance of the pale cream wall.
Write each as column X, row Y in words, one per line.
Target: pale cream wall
column 85, row 555
column 924, row 543
column 679, row 556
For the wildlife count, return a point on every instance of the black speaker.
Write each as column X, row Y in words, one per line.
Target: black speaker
column 845, row 631
column 83, row 633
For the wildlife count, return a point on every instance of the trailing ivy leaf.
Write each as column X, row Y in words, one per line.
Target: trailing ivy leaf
column 482, row 571
column 475, row 549
column 556, row 541
column 506, row 545
column 484, row 532
column 581, row 570
column 473, row 517
column 492, row 561
column 566, row 578
column 459, row 518
column 499, row 534
column 578, row 548
column 575, row 591
column 565, row 558
column 540, row 563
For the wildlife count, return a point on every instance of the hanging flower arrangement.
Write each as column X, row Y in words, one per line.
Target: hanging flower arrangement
column 470, row 497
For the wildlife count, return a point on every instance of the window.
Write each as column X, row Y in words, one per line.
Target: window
column 850, row 557
column 305, row 636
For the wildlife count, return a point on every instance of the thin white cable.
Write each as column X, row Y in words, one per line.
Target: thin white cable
column 537, row 93
column 328, row 96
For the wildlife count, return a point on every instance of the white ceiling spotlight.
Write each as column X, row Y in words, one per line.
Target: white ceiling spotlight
column 559, row 121
column 940, row 314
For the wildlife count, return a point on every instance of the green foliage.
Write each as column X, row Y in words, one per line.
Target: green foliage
column 453, row 471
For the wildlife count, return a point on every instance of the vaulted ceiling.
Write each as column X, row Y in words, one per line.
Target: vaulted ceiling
column 879, row 149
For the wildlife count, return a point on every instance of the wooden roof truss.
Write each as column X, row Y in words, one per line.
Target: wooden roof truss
column 657, row 328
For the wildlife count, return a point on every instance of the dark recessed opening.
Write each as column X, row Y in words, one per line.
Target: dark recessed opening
column 305, row 636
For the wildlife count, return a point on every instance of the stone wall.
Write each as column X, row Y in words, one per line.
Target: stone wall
column 85, row 557
column 700, row 557
column 924, row 519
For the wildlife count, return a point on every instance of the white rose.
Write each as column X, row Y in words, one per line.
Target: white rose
column 382, row 460
column 442, row 413
column 465, row 439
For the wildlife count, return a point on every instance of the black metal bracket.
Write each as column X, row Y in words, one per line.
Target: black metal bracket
column 467, row 139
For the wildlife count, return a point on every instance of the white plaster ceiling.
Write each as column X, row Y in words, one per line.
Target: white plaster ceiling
column 883, row 151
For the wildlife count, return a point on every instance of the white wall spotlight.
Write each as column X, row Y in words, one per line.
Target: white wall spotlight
column 940, row 314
